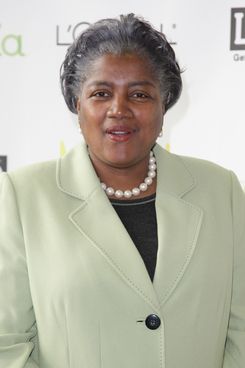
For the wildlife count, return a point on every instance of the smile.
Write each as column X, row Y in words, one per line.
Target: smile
column 120, row 134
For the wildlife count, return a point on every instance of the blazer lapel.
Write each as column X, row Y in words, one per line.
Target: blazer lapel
column 178, row 221
column 99, row 223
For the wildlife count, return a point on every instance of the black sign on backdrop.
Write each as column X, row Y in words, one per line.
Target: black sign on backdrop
column 3, row 163
column 237, row 29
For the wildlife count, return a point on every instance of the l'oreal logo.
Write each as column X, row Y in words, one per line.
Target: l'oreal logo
column 65, row 35
column 237, row 41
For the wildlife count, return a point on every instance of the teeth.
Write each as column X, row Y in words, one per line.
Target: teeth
column 119, row 133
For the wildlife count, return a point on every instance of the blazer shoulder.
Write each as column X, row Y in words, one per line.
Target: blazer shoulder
column 203, row 168
column 207, row 176
column 37, row 174
column 195, row 166
column 219, row 183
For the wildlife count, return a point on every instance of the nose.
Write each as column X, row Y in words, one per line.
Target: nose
column 119, row 108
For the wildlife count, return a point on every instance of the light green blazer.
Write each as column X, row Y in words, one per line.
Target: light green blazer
column 74, row 291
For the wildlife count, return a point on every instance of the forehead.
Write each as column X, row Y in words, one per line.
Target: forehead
column 126, row 67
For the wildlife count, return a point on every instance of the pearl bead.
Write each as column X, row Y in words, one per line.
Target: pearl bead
column 152, row 167
column 103, row 186
column 148, row 180
column 152, row 174
column 127, row 194
column 152, row 160
column 110, row 191
column 143, row 187
column 119, row 193
column 136, row 191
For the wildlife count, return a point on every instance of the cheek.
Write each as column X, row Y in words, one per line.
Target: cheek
column 87, row 119
column 91, row 127
column 155, row 121
column 91, row 115
column 152, row 115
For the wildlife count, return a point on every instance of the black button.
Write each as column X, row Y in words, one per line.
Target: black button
column 152, row 321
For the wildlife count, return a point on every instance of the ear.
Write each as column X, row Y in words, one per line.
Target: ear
column 78, row 105
column 163, row 109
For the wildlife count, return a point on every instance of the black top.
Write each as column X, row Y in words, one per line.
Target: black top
column 139, row 218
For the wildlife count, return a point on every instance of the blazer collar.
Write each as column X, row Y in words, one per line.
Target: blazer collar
column 76, row 176
column 173, row 176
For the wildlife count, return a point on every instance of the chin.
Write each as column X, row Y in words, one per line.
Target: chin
column 119, row 163
column 123, row 160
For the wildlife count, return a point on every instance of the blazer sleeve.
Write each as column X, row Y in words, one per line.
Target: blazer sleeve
column 17, row 319
column 235, row 342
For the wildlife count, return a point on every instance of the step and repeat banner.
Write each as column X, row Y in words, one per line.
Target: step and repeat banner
column 208, row 38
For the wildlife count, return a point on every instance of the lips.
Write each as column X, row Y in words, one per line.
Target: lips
column 120, row 133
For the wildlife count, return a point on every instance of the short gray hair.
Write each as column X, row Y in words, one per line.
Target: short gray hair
column 128, row 34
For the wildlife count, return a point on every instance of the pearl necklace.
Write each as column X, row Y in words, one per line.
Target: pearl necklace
column 135, row 191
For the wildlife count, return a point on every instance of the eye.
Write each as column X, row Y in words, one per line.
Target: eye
column 100, row 94
column 140, row 95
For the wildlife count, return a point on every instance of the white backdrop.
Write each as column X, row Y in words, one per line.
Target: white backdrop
column 207, row 122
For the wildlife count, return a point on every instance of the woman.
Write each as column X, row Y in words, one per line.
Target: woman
column 122, row 254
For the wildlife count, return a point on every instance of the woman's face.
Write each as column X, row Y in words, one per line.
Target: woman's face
column 120, row 110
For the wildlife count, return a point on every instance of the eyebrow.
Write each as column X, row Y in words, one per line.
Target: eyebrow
column 131, row 84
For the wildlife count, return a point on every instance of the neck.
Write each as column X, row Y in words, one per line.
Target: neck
column 124, row 178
